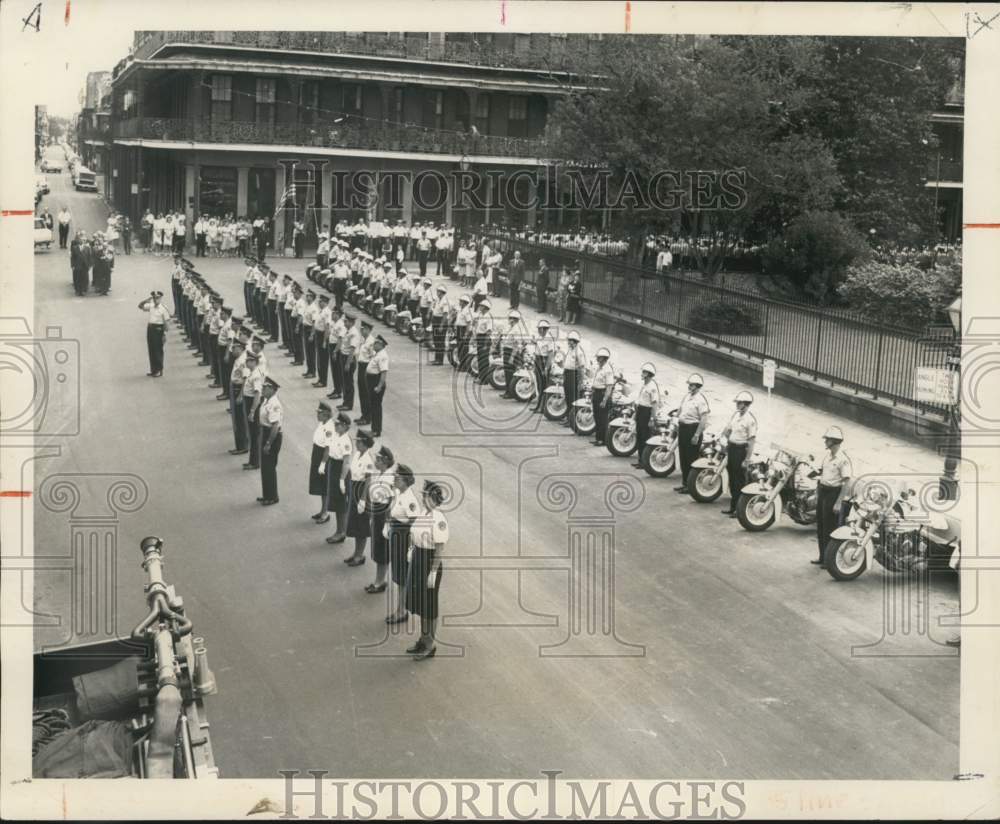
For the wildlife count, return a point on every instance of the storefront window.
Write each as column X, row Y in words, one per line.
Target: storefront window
column 218, row 190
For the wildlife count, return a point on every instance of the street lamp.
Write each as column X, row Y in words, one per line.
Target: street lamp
column 948, row 482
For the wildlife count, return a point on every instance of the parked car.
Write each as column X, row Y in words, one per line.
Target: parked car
column 51, row 165
column 84, row 179
column 41, row 184
column 43, row 235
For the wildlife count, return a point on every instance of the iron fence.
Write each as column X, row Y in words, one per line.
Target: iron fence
column 827, row 345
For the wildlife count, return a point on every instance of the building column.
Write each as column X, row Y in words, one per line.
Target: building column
column 242, row 189
column 279, row 213
column 489, row 199
column 197, row 97
column 407, row 195
column 191, row 204
column 532, row 214
column 448, row 216
column 326, row 211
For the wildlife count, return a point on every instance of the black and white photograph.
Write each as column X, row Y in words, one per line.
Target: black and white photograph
column 567, row 410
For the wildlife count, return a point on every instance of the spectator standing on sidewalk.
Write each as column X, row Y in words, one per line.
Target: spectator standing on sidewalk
column 574, row 293
column 562, row 292
column 127, row 234
column 147, row 230
column 664, row 263
column 64, row 221
column 516, row 276
column 542, row 286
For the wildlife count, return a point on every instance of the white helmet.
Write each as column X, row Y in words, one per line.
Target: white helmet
column 513, row 314
column 574, row 336
column 485, row 304
column 543, row 324
column 834, row 433
column 648, row 367
column 696, row 378
column 602, row 353
column 743, row 397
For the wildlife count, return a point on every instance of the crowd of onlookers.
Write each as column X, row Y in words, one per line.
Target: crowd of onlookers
column 923, row 257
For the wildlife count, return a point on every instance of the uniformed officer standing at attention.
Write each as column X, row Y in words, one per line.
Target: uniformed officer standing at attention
column 272, row 307
column 349, row 345
column 483, row 329
column 156, row 331
column 222, row 344
column 742, row 433
column 429, row 534
column 271, row 417
column 323, row 438
column 309, row 312
column 253, row 388
column 835, row 474
column 600, row 394
column 241, row 434
column 646, row 404
column 692, row 417
column 334, row 335
column 463, row 325
column 324, row 317
column 378, row 375
column 366, row 351
column 440, row 310
column 545, row 350
column 573, row 365
column 511, row 340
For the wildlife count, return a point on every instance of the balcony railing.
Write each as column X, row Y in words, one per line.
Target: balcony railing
column 554, row 54
column 945, row 171
column 390, row 137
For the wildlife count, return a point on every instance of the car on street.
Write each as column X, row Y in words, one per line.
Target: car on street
column 49, row 165
column 41, row 184
column 43, row 235
column 84, row 179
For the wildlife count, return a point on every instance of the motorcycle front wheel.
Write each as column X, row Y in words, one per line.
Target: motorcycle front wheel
column 844, row 559
column 524, row 389
column 554, row 407
column 582, row 420
column 658, row 461
column 498, row 380
column 621, row 441
column 403, row 326
column 416, row 333
column 754, row 512
column 377, row 312
column 704, row 484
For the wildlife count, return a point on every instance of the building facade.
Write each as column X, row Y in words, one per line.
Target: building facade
column 219, row 123
column 944, row 175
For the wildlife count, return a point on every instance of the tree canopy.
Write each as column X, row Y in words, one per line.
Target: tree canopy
column 802, row 124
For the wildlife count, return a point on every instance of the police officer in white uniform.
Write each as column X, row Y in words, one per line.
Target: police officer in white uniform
column 545, row 350
column 271, row 420
column 573, row 365
column 377, row 376
column 646, row 404
column 600, row 394
column 692, row 417
column 742, row 434
column 156, row 331
column 835, row 474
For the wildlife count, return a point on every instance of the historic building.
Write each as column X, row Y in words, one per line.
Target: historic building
column 94, row 125
column 201, row 119
column 945, row 173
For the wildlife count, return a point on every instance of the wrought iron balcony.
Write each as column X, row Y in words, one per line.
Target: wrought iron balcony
column 388, row 137
column 949, row 171
column 546, row 53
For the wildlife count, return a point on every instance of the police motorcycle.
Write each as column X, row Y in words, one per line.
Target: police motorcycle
column 354, row 295
column 524, row 388
column 417, row 332
column 496, row 377
column 622, row 437
column 659, row 455
column 554, row 405
column 582, row 420
column 705, row 479
column 378, row 307
column 893, row 530
column 782, row 482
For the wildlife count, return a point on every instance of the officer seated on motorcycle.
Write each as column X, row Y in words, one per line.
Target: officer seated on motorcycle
column 741, row 432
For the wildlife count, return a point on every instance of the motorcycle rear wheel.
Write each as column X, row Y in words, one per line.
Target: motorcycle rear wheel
column 582, row 420
column 704, row 485
column 844, row 559
column 554, row 407
column 658, row 461
column 622, row 442
column 752, row 514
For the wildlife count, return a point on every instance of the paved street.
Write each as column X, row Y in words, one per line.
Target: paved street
column 745, row 667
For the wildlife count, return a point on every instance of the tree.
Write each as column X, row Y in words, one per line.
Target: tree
column 661, row 109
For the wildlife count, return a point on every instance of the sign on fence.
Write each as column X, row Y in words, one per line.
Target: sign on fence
column 935, row 385
column 770, row 368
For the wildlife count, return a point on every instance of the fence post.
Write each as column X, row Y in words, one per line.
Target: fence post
column 767, row 325
column 819, row 338
column 878, row 364
column 680, row 298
